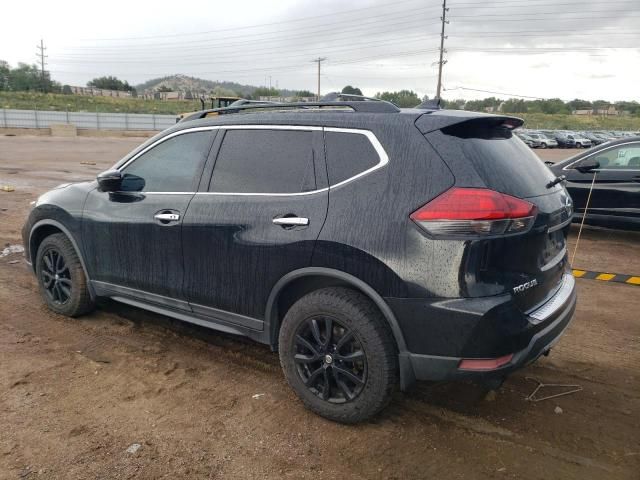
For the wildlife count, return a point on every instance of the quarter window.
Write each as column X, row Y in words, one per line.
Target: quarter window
column 264, row 161
column 348, row 154
column 174, row 165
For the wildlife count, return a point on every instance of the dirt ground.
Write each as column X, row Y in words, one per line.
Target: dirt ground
column 76, row 394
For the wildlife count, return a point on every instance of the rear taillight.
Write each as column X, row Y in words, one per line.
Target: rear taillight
column 475, row 212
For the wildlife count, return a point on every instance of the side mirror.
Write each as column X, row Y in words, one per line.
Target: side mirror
column 109, row 181
column 588, row 166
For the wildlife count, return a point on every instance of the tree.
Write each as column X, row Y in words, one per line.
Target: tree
column 164, row 88
column 66, row 89
column 4, row 75
column 457, row 104
column 351, row 90
column 577, row 104
column 514, row 105
column 265, row 92
column 223, row 92
column 403, row 98
column 304, row 93
column 27, row 77
column 110, row 83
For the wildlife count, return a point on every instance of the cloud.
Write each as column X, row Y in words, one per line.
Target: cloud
column 532, row 48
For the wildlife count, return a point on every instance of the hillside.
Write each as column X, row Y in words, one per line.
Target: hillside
column 185, row 83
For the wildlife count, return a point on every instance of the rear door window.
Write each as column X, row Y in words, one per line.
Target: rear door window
column 348, row 154
column 264, row 161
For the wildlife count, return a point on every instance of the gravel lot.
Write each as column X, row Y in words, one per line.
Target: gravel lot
column 76, row 394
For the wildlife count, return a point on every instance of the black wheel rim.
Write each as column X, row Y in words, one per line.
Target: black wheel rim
column 56, row 277
column 330, row 359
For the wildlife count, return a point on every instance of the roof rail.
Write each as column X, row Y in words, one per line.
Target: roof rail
column 337, row 96
column 373, row 106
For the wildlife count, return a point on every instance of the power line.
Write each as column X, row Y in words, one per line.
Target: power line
column 308, row 31
column 533, row 3
column 495, row 93
column 482, row 15
column 239, row 57
column 259, row 25
column 528, row 19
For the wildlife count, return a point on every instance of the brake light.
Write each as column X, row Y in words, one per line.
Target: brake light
column 475, row 211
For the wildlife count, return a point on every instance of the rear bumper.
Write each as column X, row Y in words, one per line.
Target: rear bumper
column 544, row 328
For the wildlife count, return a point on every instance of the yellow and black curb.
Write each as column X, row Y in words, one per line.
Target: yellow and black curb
column 607, row 277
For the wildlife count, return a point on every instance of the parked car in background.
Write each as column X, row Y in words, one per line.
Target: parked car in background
column 614, row 170
column 579, row 140
column 545, row 141
column 564, row 140
column 370, row 249
column 530, row 141
column 595, row 139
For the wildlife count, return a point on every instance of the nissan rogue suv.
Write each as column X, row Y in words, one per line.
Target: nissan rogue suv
column 370, row 246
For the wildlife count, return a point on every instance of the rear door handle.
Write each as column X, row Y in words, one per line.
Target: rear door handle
column 636, row 178
column 167, row 217
column 291, row 221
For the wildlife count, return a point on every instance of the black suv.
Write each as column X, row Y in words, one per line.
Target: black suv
column 371, row 246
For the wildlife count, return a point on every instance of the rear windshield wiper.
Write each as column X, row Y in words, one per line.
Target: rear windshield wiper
column 556, row 181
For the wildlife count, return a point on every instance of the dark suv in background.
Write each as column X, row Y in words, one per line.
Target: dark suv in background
column 370, row 246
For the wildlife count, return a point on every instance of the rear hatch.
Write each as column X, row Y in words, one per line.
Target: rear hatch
column 483, row 153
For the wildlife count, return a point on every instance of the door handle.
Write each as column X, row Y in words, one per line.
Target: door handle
column 167, row 217
column 291, row 221
column 636, row 178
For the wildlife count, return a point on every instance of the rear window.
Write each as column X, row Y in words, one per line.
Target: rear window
column 502, row 161
column 348, row 154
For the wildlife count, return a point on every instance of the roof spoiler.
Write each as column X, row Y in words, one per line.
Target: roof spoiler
column 438, row 120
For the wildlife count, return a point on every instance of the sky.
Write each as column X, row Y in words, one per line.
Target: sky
column 565, row 49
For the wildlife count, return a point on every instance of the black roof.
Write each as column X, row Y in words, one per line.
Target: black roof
column 425, row 120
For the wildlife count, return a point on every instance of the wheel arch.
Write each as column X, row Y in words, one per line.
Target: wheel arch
column 44, row 228
column 298, row 283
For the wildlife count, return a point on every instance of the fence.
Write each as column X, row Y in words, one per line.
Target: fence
column 87, row 120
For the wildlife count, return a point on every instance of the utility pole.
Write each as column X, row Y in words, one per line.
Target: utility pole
column 42, row 56
column 319, row 60
column 442, row 38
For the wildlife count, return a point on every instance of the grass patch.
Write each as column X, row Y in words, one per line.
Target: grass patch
column 582, row 122
column 80, row 103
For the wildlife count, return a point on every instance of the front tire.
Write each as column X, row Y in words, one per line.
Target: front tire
column 338, row 354
column 61, row 278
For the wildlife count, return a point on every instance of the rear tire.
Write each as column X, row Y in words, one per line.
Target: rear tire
column 61, row 278
column 543, row 145
column 338, row 354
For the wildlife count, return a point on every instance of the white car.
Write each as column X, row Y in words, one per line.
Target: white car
column 545, row 142
column 581, row 142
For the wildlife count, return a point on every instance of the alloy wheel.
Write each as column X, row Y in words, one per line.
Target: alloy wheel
column 330, row 359
column 56, row 277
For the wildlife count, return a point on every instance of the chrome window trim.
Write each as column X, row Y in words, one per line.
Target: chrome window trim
column 163, row 139
column 375, row 143
column 610, row 147
column 382, row 154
